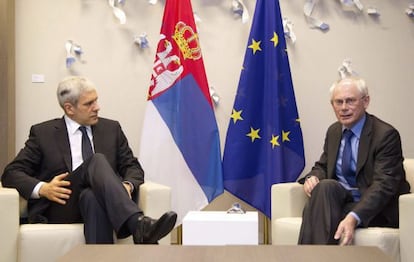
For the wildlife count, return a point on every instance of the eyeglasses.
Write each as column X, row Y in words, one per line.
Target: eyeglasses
column 348, row 101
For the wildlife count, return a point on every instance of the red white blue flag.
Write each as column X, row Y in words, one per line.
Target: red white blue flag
column 180, row 145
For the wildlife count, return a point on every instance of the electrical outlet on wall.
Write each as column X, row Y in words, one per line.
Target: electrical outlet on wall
column 37, row 78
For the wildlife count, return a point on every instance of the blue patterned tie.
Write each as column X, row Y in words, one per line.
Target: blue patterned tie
column 87, row 151
column 347, row 171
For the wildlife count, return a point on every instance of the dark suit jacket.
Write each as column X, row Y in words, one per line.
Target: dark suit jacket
column 380, row 173
column 47, row 153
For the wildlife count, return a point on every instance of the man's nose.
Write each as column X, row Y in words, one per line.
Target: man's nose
column 344, row 105
column 96, row 107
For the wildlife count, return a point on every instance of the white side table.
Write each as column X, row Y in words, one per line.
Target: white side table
column 220, row 228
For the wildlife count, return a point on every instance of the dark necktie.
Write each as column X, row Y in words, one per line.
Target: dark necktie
column 347, row 171
column 87, row 151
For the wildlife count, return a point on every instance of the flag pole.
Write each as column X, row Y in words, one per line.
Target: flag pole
column 180, row 235
column 266, row 227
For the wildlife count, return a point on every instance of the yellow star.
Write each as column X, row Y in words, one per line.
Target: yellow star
column 236, row 115
column 285, row 136
column 275, row 39
column 274, row 141
column 254, row 134
column 255, row 46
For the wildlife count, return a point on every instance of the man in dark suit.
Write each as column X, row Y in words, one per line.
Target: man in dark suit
column 80, row 168
column 359, row 176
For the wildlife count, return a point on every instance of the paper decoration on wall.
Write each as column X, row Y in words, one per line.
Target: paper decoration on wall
column 239, row 8
column 345, row 70
column 214, row 96
column 197, row 18
column 349, row 4
column 118, row 12
column 288, row 30
column 372, row 11
column 142, row 41
column 410, row 10
column 73, row 51
column 312, row 21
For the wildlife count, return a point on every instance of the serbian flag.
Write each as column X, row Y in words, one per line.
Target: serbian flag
column 180, row 145
column 264, row 143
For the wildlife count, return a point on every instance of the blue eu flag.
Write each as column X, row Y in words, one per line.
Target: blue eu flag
column 264, row 143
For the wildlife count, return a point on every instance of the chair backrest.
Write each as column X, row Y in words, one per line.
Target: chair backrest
column 409, row 171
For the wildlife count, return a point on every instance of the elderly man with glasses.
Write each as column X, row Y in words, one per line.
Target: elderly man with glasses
column 359, row 176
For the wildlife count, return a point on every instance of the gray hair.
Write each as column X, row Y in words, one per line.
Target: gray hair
column 71, row 87
column 359, row 83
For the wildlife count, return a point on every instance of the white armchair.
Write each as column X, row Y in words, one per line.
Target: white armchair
column 48, row 242
column 288, row 200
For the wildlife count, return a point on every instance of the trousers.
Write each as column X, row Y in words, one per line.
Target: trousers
column 327, row 206
column 98, row 199
column 329, row 203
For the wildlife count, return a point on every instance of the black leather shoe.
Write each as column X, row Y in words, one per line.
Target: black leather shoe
column 149, row 230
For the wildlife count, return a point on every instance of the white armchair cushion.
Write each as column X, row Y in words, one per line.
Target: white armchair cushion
column 406, row 203
column 289, row 199
column 154, row 199
column 285, row 230
column 37, row 241
column 48, row 242
column 386, row 239
column 286, row 227
column 9, row 225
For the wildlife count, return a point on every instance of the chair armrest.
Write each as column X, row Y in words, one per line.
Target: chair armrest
column 406, row 207
column 288, row 200
column 154, row 199
column 9, row 226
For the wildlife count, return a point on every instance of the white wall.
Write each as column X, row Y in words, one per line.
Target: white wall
column 381, row 49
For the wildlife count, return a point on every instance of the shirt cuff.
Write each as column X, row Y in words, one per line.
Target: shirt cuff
column 35, row 192
column 352, row 213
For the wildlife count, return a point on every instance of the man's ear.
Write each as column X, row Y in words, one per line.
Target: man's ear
column 68, row 108
column 366, row 101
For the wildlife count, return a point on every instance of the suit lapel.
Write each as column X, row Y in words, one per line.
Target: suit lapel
column 62, row 140
column 333, row 149
column 364, row 142
column 97, row 134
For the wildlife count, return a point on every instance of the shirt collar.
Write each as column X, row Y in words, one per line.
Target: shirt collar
column 73, row 126
column 357, row 128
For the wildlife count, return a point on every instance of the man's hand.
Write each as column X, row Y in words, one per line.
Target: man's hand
column 56, row 190
column 346, row 230
column 310, row 183
column 128, row 188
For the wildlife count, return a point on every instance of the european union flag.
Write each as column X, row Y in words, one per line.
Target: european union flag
column 264, row 143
